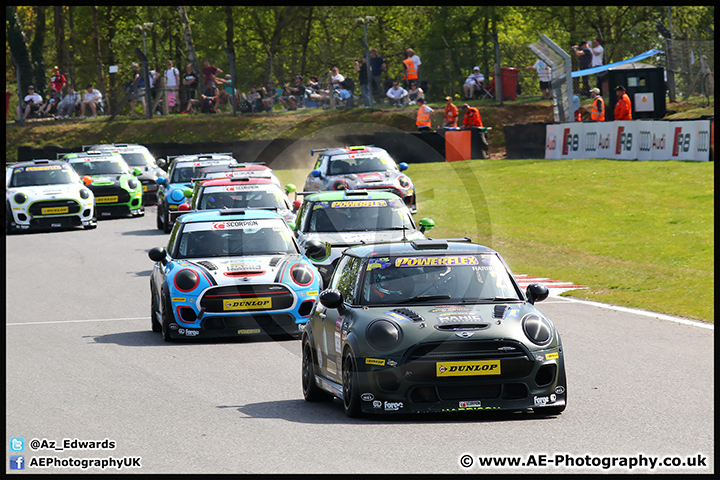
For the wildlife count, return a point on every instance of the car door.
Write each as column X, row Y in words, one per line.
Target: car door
column 344, row 280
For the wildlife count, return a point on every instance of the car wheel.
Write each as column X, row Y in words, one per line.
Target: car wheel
column 311, row 391
column 158, row 220
column 9, row 230
column 351, row 394
column 156, row 326
column 166, row 222
column 167, row 318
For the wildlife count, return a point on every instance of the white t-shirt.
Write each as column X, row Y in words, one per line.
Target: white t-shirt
column 171, row 76
column 337, row 79
column 597, row 58
column 543, row 70
column 35, row 97
column 397, row 92
column 475, row 78
column 93, row 96
column 416, row 60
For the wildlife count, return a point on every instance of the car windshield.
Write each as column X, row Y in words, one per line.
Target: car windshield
column 136, row 159
column 236, row 238
column 359, row 215
column 436, row 279
column 360, row 163
column 43, row 175
column 100, row 167
column 186, row 171
column 244, row 196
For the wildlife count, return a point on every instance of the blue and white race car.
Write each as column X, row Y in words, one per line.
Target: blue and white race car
column 229, row 273
column 183, row 169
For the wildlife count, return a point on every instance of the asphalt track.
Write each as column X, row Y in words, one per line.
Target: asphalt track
column 82, row 364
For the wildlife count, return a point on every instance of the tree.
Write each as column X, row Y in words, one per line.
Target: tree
column 187, row 35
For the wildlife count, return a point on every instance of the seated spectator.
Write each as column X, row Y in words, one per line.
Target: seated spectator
column 31, row 104
column 91, row 100
column 50, row 108
column 190, row 81
column 293, row 94
column 70, row 102
column 337, row 77
column 243, row 103
column 346, row 98
column 227, row 91
column 255, row 99
column 269, row 96
column 58, row 81
column 473, row 83
column 209, row 98
column 397, row 94
column 415, row 93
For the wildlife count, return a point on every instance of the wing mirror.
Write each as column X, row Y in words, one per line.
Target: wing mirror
column 426, row 224
column 536, row 292
column 157, row 254
column 333, row 299
column 317, row 250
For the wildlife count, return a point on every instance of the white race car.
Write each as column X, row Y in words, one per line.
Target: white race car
column 46, row 194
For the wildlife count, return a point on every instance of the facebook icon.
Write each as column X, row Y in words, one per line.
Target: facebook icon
column 17, row 462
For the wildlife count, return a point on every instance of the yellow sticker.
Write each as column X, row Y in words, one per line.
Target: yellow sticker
column 249, row 331
column 112, row 199
column 258, row 303
column 458, row 369
column 53, row 210
column 550, row 356
column 178, row 299
column 374, row 361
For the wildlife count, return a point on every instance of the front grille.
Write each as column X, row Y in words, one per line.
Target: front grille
column 505, row 391
column 280, row 297
column 467, row 350
column 112, row 209
column 111, row 191
column 72, row 206
column 46, row 222
column 268, row 323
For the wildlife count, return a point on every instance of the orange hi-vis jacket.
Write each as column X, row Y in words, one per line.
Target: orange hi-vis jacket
column 451, row 115
column 597, row 114
column 410, row 70
column 423, row 117
column 472, row 118
column 623, row 110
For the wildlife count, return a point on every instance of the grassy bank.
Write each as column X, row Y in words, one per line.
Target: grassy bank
column 638, row 234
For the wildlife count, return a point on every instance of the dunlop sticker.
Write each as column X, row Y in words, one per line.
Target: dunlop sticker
column 374, row 361
column 258, row 303
column 460, row 369
column 550, row 356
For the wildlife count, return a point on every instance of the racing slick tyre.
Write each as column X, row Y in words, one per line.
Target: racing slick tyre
column 167, row 317
column 311, row 391
column 351, row 393
column 158, row 221
column 166, row 221
column 155, row 325
column 9, row 230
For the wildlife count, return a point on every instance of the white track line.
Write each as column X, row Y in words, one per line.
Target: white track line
column 77, row 321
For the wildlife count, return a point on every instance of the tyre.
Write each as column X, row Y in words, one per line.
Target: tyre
column 158, row 218
column 166, row 222
column 154, row 324
column 351, row 390
column 167, row 318
column 9, row 230
column 311, row 391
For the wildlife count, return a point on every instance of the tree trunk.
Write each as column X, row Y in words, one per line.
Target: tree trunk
column 111, row 29
column 96, row 47
column 59, row 23
column 19, row 50
column 36, row 54
column 187, row 34
column 71, row 47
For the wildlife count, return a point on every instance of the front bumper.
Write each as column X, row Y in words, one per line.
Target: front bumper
column 218, row 326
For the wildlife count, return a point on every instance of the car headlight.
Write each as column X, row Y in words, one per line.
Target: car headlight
column 301, row 274
column 404, row 181
column 84, row 193
column 186, row 280
column 177, row 196
column 537, row 329
column 132, row 184
column 383, row 335
column 20, row 198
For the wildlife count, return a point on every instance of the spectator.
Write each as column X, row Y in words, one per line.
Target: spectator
column 397, row 94
column 585, row 55
column 269, row 96
column 228, row 91
column 416, row 61
column 210, row 72
column 471, row 117
column 451, row 114
column 363, row 77
column 576, row 108
column 597, row 60
column 293, row 94
column 137, row 93
column 58, row 82
column 49, row 108
column 31, row 103
column 313, row 90
column 623, row 108
column 415, row 93
column 337, row 77
column 92, row 99
column 409, row 71
column 190, row 81
column 68, row 104
column 597, row 114
column 172, row 84
column 423, row 116
column 153, row 78
column 377, row 67
column 243, row 103
column 346, row 97
column 544, row 77
column 209, row 98
column 255, row 99
column 473, row 83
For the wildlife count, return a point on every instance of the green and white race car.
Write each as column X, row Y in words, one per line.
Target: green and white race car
column 118, row 192
column 46, row 194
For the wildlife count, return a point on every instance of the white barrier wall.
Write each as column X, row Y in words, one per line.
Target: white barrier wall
column 630, row 140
